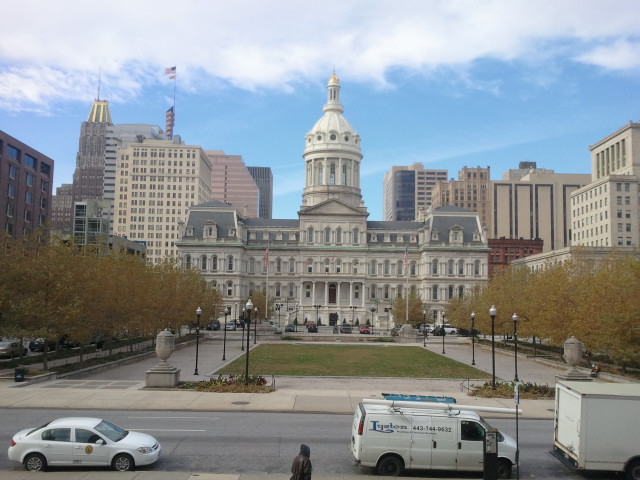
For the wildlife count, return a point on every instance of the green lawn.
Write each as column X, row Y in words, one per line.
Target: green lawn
column 382, row 360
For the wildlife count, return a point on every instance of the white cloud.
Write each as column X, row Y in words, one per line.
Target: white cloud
column 255, row 45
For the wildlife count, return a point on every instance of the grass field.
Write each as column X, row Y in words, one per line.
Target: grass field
column 382, row 360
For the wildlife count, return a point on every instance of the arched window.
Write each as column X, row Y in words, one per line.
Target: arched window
column 372, row 291
column 229, row 289
column 278, row 266
column 450, row 296
column 460, row 291
column 344, row 175
column 450, row 269
column 386, row 267
column 412, row 268
column 214, row 263
column 326, row 265
column 278, row 290
column 332, row 174
column 230, row 263
column 307, row 291
column 434, row 267
column 338, row 235
column 373, row 267
column 356, row 291
column 187, row 261
column 320, row 173
column 310, row 235
column 338, row 266
column 355, row 266
column 309, row 263
column 356, row 236
column 291, row 291
column 476, row 267
column 386, row 291
column 434, row 292
column 292, row 265
column 252, row 265
column 203, row 263
column 399, row 268
column 460, row 267
column 327, row 235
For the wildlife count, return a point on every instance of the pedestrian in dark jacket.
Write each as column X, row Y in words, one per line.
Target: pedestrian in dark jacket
column 301, row 467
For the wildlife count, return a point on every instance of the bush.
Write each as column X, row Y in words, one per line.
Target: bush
column 528, row 390
column 229, row 384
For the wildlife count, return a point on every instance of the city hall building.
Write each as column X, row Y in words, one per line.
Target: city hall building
column 331, row 263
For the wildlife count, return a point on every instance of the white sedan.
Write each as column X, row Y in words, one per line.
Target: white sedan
column 82, row 441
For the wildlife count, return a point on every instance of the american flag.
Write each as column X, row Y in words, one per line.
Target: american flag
column 266, row 257
column 405, row 260
column 170, row 70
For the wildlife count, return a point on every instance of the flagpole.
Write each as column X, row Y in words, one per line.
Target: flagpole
column 175, row 80
column 266, row 294
column 406, row 271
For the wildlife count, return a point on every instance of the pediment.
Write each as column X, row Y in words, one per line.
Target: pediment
column 333, row 208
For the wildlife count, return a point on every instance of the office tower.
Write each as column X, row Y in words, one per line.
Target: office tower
column 264, row 180
column 61, row 210
column 156, row 183
column 537, row 205
column 407, row 191
column 26, row 178
column 605, row 211
column 470, row 191
column 232, row 183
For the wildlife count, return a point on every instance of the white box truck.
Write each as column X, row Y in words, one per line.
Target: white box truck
column 597, row 426
column 393, row 436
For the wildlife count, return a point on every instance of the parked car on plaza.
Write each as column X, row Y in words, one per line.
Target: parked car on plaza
column 230, row 326
column 365, row 329
column 346, row 328
column 38, row 344
column 10, row 349
column 83, row 442
column 448, row 330
column 289, row 327
column 215, row 325
column 312, row 327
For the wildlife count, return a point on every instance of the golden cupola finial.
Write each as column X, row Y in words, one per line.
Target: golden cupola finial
column 334, row 78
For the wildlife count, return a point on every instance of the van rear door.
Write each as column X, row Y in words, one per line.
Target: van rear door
column 357, row 430
column 444, row 443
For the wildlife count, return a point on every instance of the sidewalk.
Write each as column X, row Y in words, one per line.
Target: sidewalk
column 123, row 387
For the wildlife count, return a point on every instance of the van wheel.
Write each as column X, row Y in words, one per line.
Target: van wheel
column 390, row 466
column 633, row 470
column 504, row 468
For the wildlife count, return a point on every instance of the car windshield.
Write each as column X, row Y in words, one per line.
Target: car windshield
column 488, row 427
column 111, row 431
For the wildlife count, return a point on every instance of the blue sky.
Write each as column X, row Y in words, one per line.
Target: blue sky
column 445, row 83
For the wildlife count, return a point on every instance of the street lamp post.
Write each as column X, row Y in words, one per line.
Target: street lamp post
column 249, row 307
column 424, row 327
column 515, row 340
column 353, row 309
column 242, row 325
column 227, row 311
column 198, row 313
column 373, row 309
column 473, row 338
column 317, row 307
column 492, row 314
column 278, row 305
column 516, row 390
column 443, row 332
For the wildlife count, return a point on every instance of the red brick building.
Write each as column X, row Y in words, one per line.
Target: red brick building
column 504, row 250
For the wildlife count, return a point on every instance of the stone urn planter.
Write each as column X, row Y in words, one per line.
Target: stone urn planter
column 163, row 374
column 573, row 349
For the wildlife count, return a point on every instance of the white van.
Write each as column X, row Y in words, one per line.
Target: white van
column 392, row 436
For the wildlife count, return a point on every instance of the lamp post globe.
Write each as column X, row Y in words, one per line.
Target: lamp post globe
column 492, row 314
column 198, row 313
column 473, row 338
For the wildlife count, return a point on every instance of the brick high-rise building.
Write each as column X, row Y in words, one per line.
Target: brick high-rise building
column 26, row 178
column 232, row 183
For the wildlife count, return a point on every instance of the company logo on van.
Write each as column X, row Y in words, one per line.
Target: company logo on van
column 376, row 426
